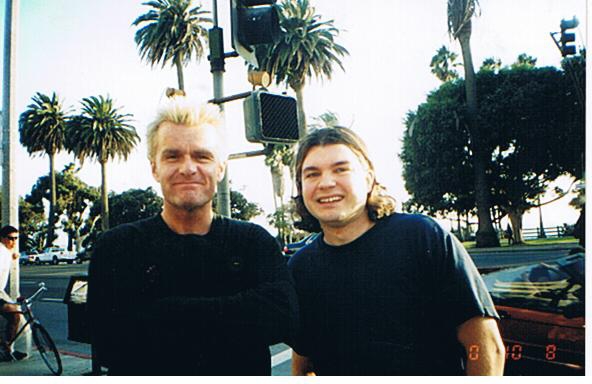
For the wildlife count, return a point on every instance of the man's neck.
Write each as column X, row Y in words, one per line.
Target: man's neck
column 197, row 222
column 340, row 235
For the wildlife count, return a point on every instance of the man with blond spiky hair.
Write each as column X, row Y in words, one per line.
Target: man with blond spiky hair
column 188, row 292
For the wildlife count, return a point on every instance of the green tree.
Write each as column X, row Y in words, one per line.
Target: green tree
column 277, row 157
column 240, row 207
column 491, row 64
column 32, row 225
column 42, row 128
column 124, row 207
column 282, row 220
column 327, row 119
column 307, row 46
column 524, row 61
column 529, row 116
column 134, row 204
column 443, row 64
column 460, row 13
column 102, row 133
column 172, row 32
column 74, row 199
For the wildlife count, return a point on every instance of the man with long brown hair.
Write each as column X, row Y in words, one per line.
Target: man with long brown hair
column 381, row 293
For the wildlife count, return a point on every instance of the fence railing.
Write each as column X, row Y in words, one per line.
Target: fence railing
column 548, row 232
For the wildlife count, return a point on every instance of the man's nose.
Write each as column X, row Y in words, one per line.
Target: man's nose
column 188, row 166
column 327, row 180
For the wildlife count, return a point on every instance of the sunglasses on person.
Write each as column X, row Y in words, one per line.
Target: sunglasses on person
column 13, row 238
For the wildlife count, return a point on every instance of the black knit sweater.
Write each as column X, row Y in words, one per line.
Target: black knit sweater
column 168, row 304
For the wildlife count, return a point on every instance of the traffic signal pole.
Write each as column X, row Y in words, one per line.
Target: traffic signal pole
column 9, row 134
column 217, row 68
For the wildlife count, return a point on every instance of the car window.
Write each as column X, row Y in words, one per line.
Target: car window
column 549, row 286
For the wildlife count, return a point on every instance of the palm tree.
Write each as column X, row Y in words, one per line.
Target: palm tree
column 460, row 13
column 443, row 64
column 524, row 61
column 42, row 128
column 172, row 32
column 491, row 64
column 327, row 119
column 307, row 46
column 101, row 133
column 277, row 157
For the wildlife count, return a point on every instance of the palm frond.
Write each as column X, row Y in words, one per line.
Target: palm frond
column 101, row 132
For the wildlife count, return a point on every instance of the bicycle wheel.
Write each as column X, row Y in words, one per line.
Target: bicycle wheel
column 47, row 348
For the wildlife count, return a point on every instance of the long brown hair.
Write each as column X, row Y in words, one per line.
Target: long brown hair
column 379, row 204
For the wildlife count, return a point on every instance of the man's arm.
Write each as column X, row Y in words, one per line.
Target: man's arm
column 301, row 365
column 264, row 313
column 484, row 347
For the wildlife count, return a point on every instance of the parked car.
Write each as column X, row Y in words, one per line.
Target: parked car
column 26, row 257
column 54, row 255
column 291, row 248
column 542, row 316
column 83, row 255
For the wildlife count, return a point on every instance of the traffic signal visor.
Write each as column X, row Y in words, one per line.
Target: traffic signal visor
column 253, row 22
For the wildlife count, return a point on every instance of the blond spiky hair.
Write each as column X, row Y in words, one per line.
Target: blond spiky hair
column 179, row 110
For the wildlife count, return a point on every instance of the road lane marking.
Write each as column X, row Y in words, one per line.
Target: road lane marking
column 52, row 300
column 281, row 357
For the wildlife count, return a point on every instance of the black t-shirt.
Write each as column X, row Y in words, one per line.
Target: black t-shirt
column 164, row 303
column 389, row 302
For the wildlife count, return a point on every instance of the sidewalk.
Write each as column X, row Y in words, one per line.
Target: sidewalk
column 35, row 366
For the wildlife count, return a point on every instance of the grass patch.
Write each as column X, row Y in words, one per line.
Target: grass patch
column 552, row 241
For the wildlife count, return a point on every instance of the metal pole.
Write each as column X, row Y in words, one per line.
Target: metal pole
column 9, row 142
column 9, row 133
column 217, row 68
column 542, row 234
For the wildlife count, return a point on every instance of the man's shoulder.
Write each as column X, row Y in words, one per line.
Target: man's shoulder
column 301, row 256
column 132, row 229
column 242, row 228
column 411, row 221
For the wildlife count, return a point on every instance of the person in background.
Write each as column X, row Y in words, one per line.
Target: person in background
column 381, row 293
column 8, row 241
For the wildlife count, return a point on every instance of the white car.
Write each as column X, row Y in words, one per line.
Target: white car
column 54, row 255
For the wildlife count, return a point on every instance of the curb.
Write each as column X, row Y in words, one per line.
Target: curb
column 74, row 364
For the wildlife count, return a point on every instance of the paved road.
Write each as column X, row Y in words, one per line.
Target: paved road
column 524, row 255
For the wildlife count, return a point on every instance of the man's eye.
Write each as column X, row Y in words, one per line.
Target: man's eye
column 310, row 175
column 204, row 158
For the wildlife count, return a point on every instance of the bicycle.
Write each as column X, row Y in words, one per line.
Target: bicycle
column 41, row 338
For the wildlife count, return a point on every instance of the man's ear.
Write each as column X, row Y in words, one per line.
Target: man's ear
column 221, row 170
column 154, row 170
column 370, row 178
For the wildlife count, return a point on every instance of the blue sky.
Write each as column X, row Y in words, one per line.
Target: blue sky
column 82, row 48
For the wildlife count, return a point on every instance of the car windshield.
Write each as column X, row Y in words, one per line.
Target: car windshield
column 547, row 286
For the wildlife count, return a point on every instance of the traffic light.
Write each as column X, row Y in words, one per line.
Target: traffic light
column 568, row 37
column 253, row 22
column 270, row 118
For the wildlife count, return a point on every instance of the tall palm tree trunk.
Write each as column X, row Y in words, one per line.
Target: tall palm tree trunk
column 298, row 89
column 486, row 236
column 104, row 197
column 52, row 201
column 180, row 77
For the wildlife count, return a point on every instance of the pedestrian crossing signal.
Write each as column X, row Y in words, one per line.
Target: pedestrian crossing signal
column 270, row 118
